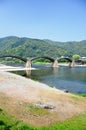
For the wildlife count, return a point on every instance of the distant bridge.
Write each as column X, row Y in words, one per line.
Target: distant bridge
column 28, row 61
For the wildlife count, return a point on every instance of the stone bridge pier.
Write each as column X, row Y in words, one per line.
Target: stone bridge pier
column 55, row 63
column 28, row 63
column 72, row 64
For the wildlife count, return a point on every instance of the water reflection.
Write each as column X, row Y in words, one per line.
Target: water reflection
column 71, row 79
column 27, row 73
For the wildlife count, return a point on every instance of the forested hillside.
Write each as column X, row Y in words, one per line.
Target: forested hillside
column 28, row 47
column 72, row 47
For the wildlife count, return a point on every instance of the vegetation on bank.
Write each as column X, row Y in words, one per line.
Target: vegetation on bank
column 10, row 123
column 83, row 95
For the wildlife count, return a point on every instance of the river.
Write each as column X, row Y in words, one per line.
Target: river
column 64, row 78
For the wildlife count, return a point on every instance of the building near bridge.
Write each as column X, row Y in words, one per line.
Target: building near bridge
column 82, row 58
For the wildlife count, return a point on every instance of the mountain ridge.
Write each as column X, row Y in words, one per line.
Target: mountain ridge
column 29, row 47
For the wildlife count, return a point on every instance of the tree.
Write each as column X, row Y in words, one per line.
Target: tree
column 75, row 57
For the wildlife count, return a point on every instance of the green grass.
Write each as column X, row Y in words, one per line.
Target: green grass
column 76, row 123
column 33, row 110
column 76, row 96
column 52, row 86
column 83, row 95
column 10, row 123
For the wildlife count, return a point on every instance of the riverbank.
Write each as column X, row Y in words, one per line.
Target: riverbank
column 24, row 96
column 65, row 64
column 13, row 68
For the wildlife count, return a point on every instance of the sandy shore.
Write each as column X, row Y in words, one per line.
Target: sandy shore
column 19, row 86
column 12, row 68
column 65, row 64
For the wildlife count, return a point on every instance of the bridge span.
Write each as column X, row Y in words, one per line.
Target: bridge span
column 13, row 56
column 28, row 61
column 53, row 61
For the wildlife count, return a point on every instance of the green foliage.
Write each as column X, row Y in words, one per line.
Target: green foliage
column 27, row 47
column 10, row 123
column 75, row 57
column 84, row 61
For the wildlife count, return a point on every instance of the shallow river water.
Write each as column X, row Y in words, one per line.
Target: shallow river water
column 64, row 78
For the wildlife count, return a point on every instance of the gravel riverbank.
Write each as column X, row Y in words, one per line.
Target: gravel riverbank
column 16, row 91
column 19, row 86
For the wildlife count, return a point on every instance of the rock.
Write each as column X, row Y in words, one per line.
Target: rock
column 45, row 106
column 66, row 91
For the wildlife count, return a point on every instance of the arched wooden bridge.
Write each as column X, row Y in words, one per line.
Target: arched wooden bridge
column 28, row 61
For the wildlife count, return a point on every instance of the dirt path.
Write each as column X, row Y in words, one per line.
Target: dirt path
column 18, row 96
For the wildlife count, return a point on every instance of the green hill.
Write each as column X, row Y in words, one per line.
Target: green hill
column 28, row 47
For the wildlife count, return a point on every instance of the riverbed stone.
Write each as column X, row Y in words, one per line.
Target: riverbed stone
column 44, row 105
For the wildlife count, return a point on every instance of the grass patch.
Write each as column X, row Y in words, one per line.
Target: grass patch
column 83, row 95
column 75, row 123
column 77, row 96
column 10, row 123
column 52, row 86
column 33, row 110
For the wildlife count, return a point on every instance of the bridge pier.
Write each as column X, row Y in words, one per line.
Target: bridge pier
column 55, row 63
column 72, row 64
column 28, row 63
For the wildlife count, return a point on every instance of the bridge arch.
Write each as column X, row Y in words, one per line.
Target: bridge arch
column 45, row 57
column 66, row 58
column 71, row 62
column 13, row 56
column 53, row 61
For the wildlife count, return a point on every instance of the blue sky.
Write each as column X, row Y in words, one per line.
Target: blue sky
column 58, row 20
